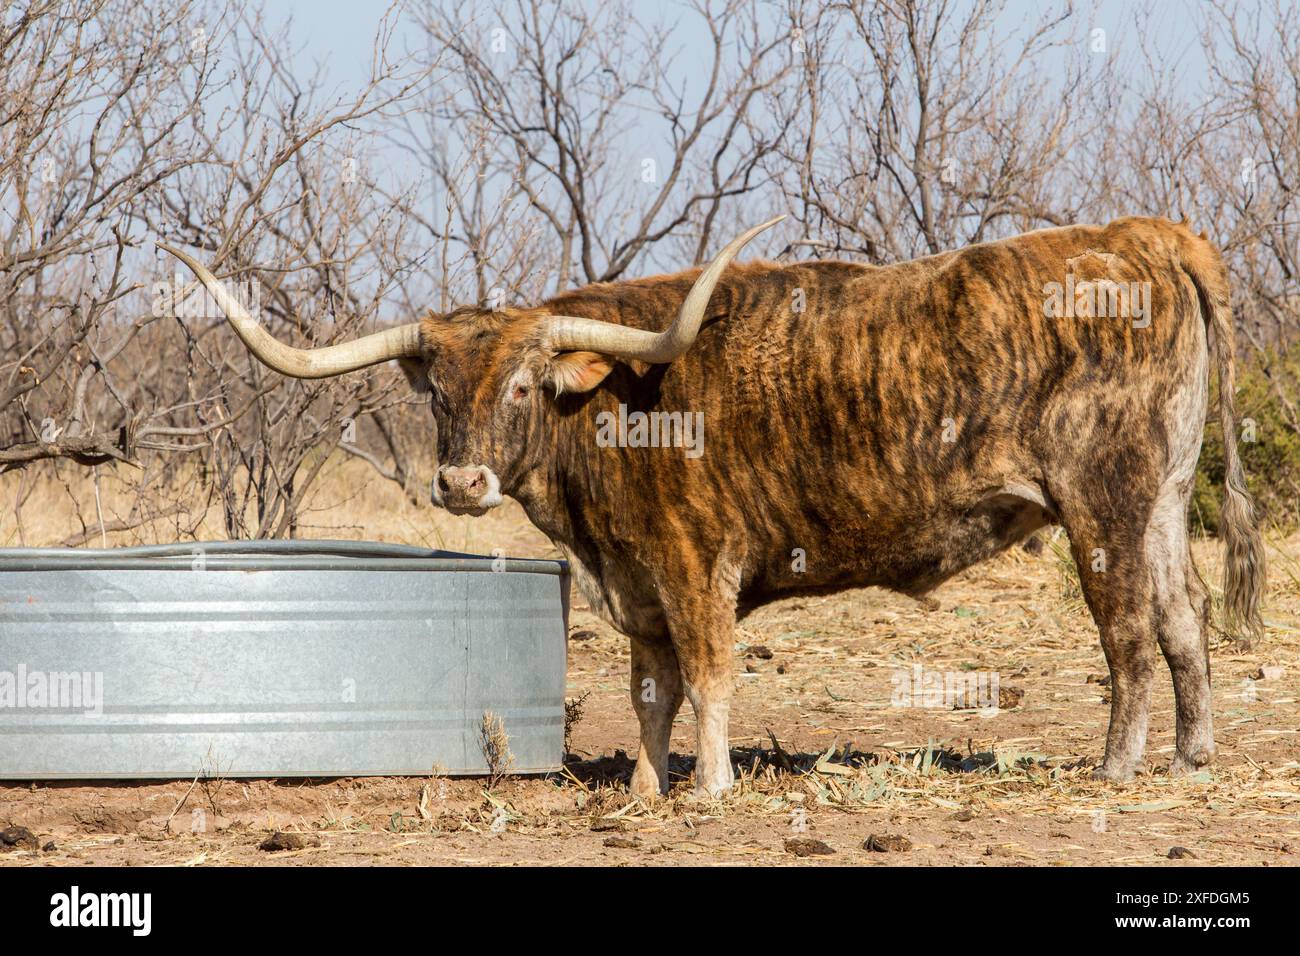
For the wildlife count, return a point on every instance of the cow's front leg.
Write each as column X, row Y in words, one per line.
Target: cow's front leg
column 709, row 689
column 703, row 639
column 656, row 698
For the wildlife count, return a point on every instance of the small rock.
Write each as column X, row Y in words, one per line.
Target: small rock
column 751, row 669
column 1270, row 672
column 964, row 815
column 278, row 841
column 887, row 843
column 18, row 837
column 1009, row 697
column 762, row 652
column 49, row 847
column 604, row 825
column 1180, row 853
column 583, row 634
column 807, row 846
column 780, row 668
column 622, row 843
column 1100, row 679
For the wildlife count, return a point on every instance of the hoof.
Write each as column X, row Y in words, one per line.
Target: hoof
column 646, row 785
column 703, row 794
column 1114, row 774
column 716, row 791
column 1184, row 765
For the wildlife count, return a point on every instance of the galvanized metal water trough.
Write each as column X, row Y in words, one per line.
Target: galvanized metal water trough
column 276, row 659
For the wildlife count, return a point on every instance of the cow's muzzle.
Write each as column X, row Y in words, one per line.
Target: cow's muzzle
column 466, row 490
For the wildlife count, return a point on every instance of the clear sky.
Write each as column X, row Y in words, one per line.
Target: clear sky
column 339, row 31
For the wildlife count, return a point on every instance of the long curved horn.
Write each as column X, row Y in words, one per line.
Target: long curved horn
column 325, row 362
column 568, row 333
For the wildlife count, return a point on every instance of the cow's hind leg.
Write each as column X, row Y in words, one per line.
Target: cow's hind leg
column 656, row 698
column 1181, row 613
column 1106, row 538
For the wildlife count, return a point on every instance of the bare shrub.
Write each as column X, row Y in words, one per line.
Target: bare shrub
column 495, row 744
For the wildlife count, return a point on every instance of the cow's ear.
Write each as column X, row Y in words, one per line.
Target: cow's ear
column 417, row 373
column 578, row 371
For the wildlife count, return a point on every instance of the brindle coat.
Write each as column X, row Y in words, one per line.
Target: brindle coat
column 908, row 422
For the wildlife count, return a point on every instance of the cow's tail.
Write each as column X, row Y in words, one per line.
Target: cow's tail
column 1243, row 574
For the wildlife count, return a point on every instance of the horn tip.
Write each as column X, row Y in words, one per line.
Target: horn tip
column 176, row 253
column 761, row 227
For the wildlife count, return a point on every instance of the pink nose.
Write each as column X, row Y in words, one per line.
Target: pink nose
column 462, row 486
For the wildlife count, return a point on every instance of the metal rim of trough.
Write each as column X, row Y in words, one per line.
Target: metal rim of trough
column 269, row 555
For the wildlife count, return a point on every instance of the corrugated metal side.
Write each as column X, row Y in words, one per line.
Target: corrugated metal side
column 279, row 673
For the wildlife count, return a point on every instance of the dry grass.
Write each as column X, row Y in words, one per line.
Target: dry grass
column 495, row 744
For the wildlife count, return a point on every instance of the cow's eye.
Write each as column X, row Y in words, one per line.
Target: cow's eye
column 520, row 393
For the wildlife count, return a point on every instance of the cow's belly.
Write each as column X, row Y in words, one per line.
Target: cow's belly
column 948, row 544
column 913, row 554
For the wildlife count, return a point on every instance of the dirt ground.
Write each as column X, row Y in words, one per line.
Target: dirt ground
column 815, row 675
